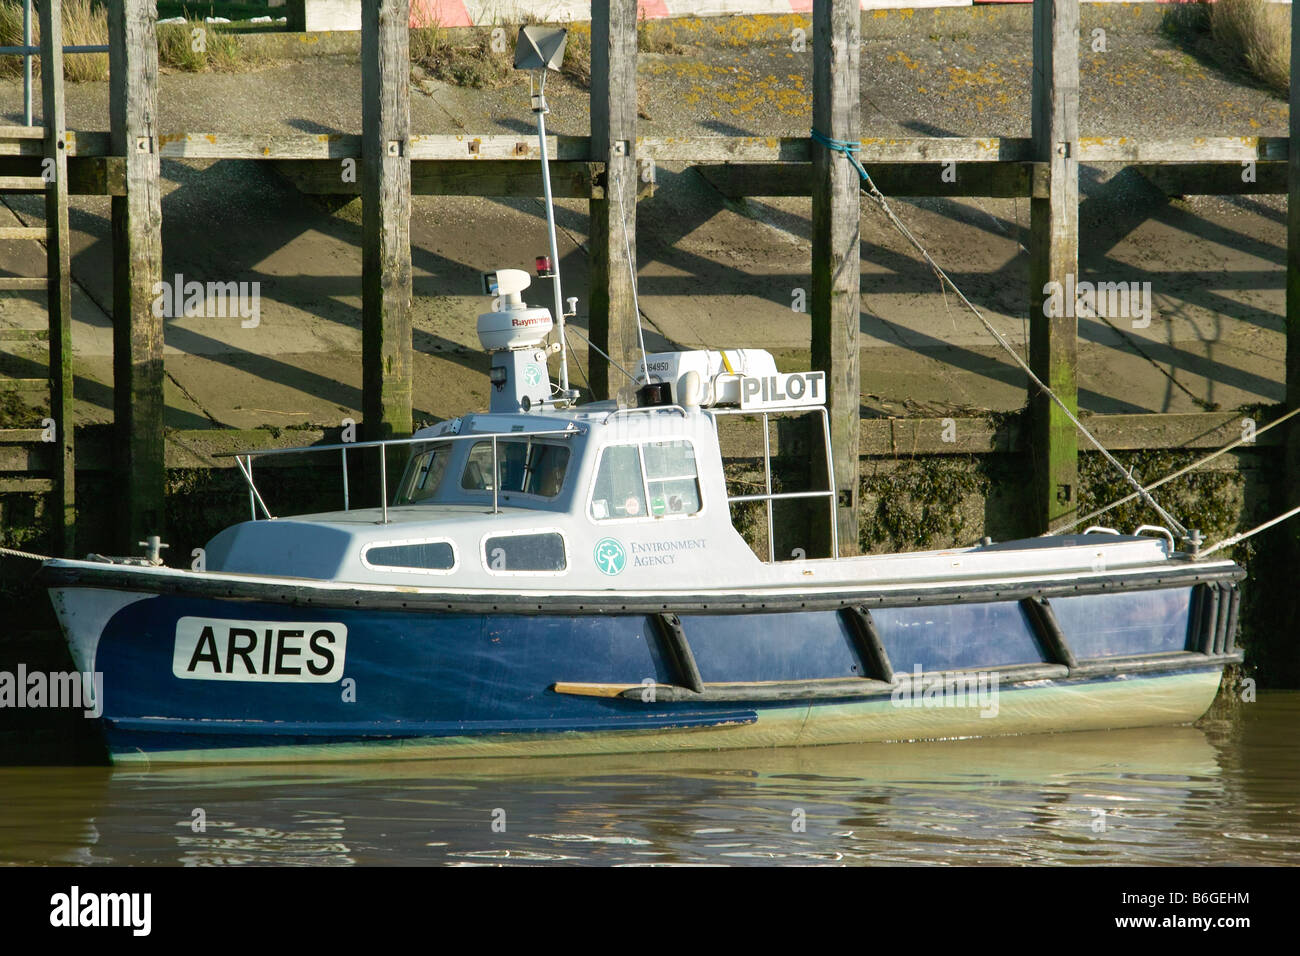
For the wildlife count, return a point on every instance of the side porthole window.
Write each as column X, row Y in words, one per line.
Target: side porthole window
column 426, row 556
column 525, row 552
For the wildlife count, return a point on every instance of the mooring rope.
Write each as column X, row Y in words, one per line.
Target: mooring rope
column 1179, row 473
column 1237, row 538
column 849, row 149
column 27, row 555
column 627, row 249
column 578, row 333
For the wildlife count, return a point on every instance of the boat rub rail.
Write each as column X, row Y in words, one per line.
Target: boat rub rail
column 292, row 591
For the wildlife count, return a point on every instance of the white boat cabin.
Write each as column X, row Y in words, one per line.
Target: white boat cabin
column 592, row 494
column 539, row 494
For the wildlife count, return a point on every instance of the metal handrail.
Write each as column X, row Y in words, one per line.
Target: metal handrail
column 31, row 51
column 768, row 495
column 645, row 408
column 570, row 430
column 244, row 459
column 779, row 495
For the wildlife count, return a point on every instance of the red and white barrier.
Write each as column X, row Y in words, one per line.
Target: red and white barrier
column 463, row 13
column 346, row 14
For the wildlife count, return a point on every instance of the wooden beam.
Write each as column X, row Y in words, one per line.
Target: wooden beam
column 1054, row 256
column 87, row 175
column 19, row 486
column 836, row 267
column 97, row 176
column 137, row 266
column 200, row 145
column 386, row 353
column 1216, row 179
column 21, row 450
column 798, row 149
column 983, row 435
column 612, row 309
column 272, row 146
column 79, row 143
column 1196, row 149
column 963, row 149
column 58, row 272
column 993, row 180
column 677, row 149
column 450, row 177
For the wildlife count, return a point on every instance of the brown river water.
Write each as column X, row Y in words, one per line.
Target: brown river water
column 1226, row 791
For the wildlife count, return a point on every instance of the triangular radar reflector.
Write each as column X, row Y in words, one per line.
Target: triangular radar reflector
column 540, row 48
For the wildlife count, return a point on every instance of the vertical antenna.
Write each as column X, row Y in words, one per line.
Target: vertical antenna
column 540, row 109
column 540, row 49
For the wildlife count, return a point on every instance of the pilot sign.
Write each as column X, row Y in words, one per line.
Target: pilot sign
column 272, row 651
column 783, row 390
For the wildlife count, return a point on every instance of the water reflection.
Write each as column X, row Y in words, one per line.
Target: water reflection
column 1227, row 792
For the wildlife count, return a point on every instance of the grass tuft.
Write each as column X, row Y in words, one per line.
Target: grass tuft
column 1249, row 36
column 85, row 23
column 197, row 47
column 479, row 59
column 1257, row 35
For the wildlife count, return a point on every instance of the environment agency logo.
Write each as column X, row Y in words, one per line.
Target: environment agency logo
column 532, row 375
column 610, row 556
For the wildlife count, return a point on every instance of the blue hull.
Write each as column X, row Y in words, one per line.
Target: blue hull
column 428, row 683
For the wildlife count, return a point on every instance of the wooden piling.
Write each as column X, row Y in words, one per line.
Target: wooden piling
column 138, row 403
column 386, row 354
column 1292, row 485
column 1054, row 256
column 612, row 314
column 57, row 273
column 836, row 268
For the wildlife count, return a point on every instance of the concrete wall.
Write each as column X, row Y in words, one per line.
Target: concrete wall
column 314, row 16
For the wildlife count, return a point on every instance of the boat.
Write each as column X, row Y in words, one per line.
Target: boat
column 556, row 578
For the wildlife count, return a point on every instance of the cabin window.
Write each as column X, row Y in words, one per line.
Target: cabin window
column 424, row 475
column 620, row 490
column 523, row 467
column 411, row 556
column 540, row 551
column 655, row 479
column 671, row 478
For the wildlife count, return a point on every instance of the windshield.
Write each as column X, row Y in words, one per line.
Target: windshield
column 523, row 466
column 423, row 475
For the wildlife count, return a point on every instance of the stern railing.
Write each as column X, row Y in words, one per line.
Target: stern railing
column 768, row 495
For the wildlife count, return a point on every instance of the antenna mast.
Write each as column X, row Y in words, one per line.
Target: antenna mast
column 540, row 49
